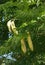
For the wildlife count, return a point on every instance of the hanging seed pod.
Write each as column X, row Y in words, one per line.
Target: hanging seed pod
column 30, row 42
column 23, row 46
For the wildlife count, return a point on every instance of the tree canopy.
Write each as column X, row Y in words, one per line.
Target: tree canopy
column 29, row 16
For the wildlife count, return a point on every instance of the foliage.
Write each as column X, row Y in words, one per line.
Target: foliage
column 29, row 16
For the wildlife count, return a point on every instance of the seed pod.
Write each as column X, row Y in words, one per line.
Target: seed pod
column 23, row 46
column 30, row 42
